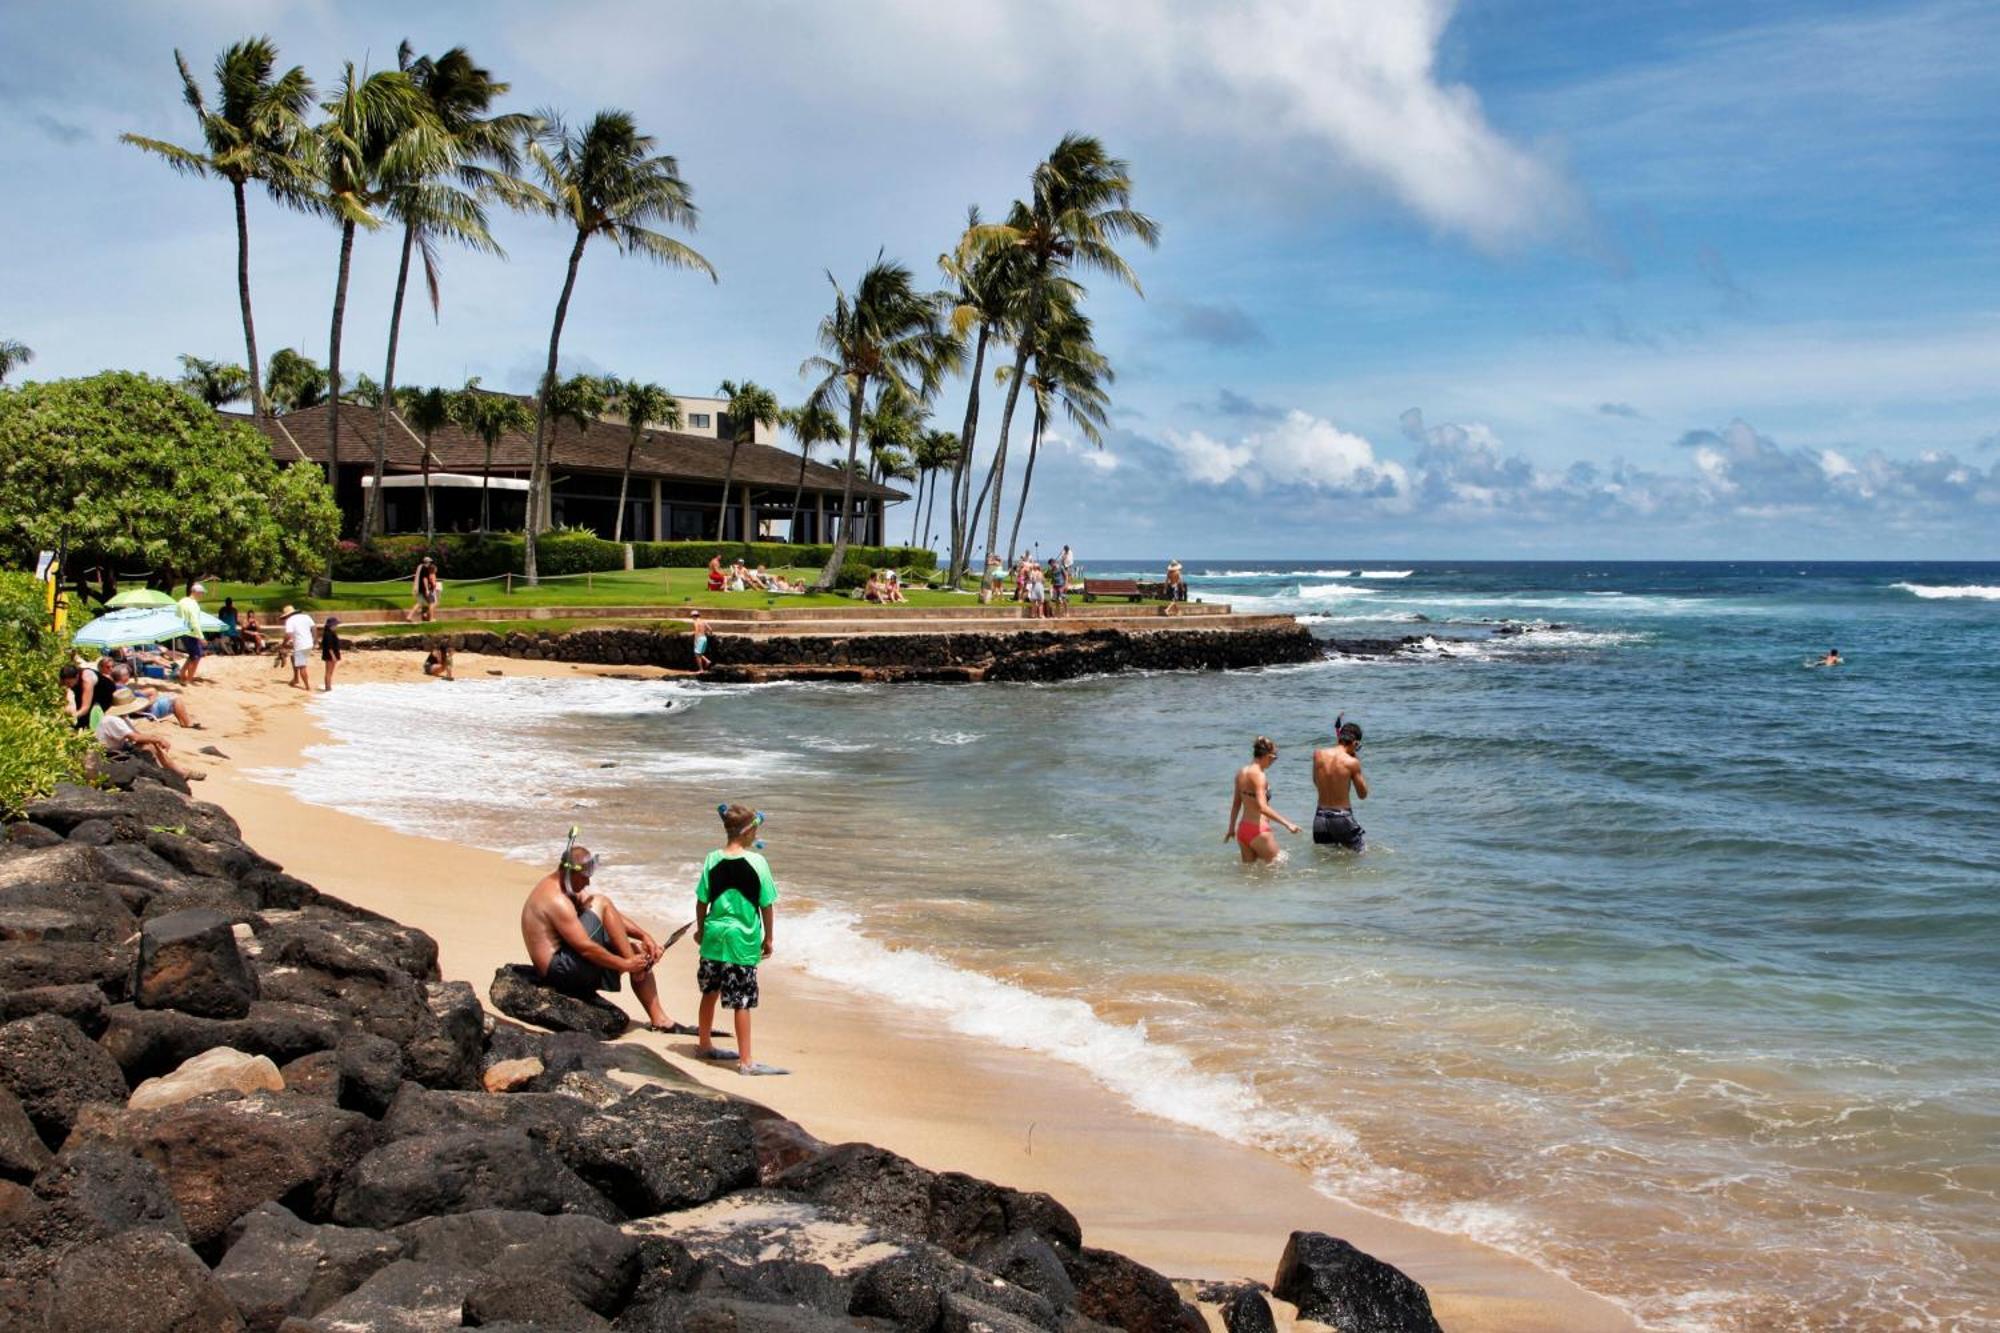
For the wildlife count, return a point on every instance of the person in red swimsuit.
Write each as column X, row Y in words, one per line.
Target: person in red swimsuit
column 1250, row 811
column 715, row 577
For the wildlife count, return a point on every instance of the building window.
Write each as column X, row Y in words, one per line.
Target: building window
column 698, row 420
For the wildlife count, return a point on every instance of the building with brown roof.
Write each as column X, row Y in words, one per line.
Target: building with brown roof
column 675, row 491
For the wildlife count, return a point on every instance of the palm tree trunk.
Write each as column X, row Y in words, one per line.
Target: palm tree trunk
column 377, row 512
column 333, row 358
column 430, row 517
column 537, row 482
column 243, row 295
column 728, row 476
column 624, row 482
column 1027, row 480
column 485, row 490
column 839, row 556
column 799, row 495
column 960, row 471
column 997, row 478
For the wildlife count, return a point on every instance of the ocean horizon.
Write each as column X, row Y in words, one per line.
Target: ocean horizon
column 1672, row 965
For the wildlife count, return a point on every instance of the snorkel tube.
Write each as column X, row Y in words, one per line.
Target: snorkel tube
column 722, row 808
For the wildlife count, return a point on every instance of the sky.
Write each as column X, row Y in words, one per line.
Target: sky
column 1494, row 279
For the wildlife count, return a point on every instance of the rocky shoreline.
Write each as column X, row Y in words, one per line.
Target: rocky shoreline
column 229, row 1101
column 1024, row 655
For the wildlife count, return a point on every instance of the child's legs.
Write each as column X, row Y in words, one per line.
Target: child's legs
column 742, row 1017
column 706, row 1019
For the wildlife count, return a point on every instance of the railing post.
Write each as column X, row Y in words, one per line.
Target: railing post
column 510, row 584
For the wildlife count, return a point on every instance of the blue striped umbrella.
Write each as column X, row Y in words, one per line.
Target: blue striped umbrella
column 141, row 624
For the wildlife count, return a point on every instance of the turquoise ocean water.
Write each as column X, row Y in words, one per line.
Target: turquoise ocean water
column 1675, row 965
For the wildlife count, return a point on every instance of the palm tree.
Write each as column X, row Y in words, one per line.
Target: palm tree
column 896, row 424
column 214, row 382
column 480, row 156
column 750, row 405
column 936, row 451
column 13, row 355
column 425, row 410
column 643, row 405
column 580, row 399
column 366, row 392
column 293, row 381
column 604, row 179
column 378, row 131
column 489, row 416
column 1070, row 371
column 1079, row 206
column 988, row 280
column 256, row 132
column 887, row 333
column 812, row 424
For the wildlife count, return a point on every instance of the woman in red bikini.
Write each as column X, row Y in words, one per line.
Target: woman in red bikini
column 1250, row 812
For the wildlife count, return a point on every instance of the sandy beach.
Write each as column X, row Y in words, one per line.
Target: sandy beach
column 1187, row 1203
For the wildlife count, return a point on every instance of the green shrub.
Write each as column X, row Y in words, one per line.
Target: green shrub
column 853, row 574
column 38, row 746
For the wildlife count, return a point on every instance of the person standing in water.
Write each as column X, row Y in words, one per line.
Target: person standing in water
column 1337, row 778
column 1832, row 658
column 1250, row 812
column 699, row 629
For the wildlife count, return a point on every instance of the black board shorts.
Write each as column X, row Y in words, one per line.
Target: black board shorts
column 569, row 973
column 1337, row 828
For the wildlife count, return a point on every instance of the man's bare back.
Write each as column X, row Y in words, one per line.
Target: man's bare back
column 1337, row 778
column 543, row 917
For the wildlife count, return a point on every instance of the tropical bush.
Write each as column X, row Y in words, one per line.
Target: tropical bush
column 129, row 473
column 38, row 747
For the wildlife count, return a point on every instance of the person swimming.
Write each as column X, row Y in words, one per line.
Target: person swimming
column 1337, row 779
column 1250, row 811
column 1832, row 658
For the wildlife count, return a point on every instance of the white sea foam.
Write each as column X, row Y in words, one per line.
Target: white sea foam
column 1154, row 1077
column 1383, row 573
column 1984, row 592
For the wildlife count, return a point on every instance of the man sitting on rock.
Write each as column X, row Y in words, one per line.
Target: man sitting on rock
column 581, row 944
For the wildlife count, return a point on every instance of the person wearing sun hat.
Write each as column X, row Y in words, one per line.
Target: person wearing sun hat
column 1176, row 585
column 118, row 736
column 299, row 641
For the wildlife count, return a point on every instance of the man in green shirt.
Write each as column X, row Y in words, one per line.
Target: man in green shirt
column 733, row 920
column 194, row 643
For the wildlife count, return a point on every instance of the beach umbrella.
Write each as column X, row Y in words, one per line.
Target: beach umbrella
column 137, row 625
column 140, row 597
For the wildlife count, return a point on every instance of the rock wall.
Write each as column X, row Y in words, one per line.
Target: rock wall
column 229, row 1101
column 1020, row 655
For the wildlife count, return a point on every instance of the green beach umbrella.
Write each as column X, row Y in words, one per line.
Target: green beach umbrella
column 139, row 624
column 140, row 597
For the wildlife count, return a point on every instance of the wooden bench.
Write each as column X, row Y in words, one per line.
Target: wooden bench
column 1126, row 588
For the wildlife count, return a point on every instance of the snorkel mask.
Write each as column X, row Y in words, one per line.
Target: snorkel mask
column 1347, row 732
column 571, row 863
column 758, row 844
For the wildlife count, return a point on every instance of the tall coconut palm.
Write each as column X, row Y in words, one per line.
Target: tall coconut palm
column 425, row 410
column 480, row 156
column 644, row 405
column 894, row 426
column 489, row 416
column 987, row 281
column 812, row 424
column 1069, row 372
column 937, row 451
column 378, row 131
column 13, row 355
column 1079, row 207
column 750, row 405
column 216, row 383
column 255, row 132
column 605, row 179
column 888, row 333
column 293, row 382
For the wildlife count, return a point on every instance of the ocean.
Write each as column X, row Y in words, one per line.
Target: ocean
column 1674, row 964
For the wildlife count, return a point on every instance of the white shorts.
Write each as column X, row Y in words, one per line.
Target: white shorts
column 301, row 656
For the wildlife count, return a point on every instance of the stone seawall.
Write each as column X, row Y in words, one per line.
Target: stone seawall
column 1024, row 655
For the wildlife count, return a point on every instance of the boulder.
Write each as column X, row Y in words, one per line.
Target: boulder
column 911, row 1289
column 63, row 863
column 657, row 1150
column 460, row 1171
column 93, row 833
column 82, row 1004
column 517, row 992
column 218, row 1070
column 546, row 1116
column 138, row 1282
column 277, row 891
column 778, row 1281
column 1248, row 1312
column 370, row 1072
column 529, row 1302
column 324, row 938
column 278, row 1266
column 707, row 1314
column 957, row 1211
column 781, row 1144
column 223, row 1155
column 22, row 1152
column 403, row 1297
column 55, row 1070
column 1331, row 1281
column 1028, row 1260
column 511, row 1075
column 445, row 1050
column 960, row 1313
column 148, row 1042
column 232, row 901
column 148, row 805
column 65, row 910
column 210, row 860
column 84, row 1196
column 592, row 1262
column 967, row 1212
column 1125, row 1294
column 140, row 873
column 31, row 835
column 316, row 1076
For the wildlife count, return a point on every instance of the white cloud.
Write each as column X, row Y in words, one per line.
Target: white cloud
column 1301, row 450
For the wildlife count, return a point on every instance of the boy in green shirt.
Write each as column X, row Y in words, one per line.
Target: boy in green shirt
column 732, row 919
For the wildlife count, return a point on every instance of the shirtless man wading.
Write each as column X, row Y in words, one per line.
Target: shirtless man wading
column 581, row 944
column 1336, row 772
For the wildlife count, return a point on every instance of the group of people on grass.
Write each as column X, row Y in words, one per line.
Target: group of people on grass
column 739, row 577
column 581, row 944
column 884, row 586
column 1043, row 589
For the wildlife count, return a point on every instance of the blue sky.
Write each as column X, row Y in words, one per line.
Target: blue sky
column 1487, row 279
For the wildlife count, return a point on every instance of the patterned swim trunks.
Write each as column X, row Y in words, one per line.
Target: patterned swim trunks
column 737, row 983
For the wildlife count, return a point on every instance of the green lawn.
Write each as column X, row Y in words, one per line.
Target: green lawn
column 639, row 587
column 554, row 625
